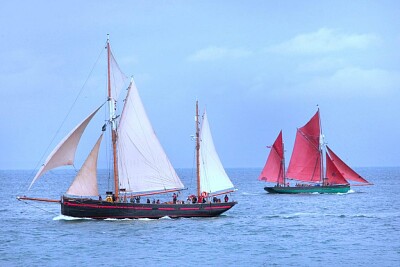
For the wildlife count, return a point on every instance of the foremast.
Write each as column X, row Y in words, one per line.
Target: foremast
column 197, row 148
column 112, row 119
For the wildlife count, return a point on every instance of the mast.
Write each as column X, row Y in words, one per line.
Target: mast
column 111, row 103
column 197, row 148
column 321, row 154
column 283, row 163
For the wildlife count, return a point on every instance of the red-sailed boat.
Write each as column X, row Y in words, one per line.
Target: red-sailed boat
column 306, row 165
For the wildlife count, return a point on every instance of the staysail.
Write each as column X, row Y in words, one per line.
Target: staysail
column 333, row 175
column 143, row 165
column 273, row 170
column 213, row 178
column 305, row 162
column 345, row 170
column 64, row 153
column 85, row 182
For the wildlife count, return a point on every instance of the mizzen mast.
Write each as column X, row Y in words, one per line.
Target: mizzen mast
column 112, row 109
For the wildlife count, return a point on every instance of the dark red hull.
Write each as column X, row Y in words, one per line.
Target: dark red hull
column 89, row 208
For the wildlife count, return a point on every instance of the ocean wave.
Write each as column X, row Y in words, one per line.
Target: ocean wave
column 252, row 194
column 68, row 218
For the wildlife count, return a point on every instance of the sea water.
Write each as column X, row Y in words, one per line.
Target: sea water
column 360, row 228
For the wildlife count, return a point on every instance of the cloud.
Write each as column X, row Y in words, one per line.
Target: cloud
column 321, row 64
column 324, row 41
column 213, row 53
column 354, row 82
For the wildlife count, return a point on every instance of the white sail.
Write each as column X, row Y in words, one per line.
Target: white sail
column 64, row 153
column 213, row 178
column 85, row 182
column 118, row 78
column 143, row 165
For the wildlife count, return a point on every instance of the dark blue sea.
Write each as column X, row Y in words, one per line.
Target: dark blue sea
column 360, row 228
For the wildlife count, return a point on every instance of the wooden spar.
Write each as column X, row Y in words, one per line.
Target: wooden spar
column 39, row 199
column 197, row 149
column 283, row 163
column 321, row 152
column 362, row 184
column 128, row 195
column 221, row 193
column 112, row 120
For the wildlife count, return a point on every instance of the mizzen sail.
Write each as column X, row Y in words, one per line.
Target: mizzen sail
column 85, row 182
column 143, row 165
column 305, row 162
column 213, row 178
column 273, row 170
column 64, row 153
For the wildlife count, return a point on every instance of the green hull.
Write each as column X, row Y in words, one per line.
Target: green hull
column 331, row 189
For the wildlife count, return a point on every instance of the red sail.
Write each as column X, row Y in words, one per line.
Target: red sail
column 273, row 170
column 344, row 169
column 305, row 163
column 333, row 175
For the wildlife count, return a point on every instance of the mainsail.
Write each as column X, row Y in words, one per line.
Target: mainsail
column 64, row 153
column 142, row 163
column 344, row 169
column 305, row 162
column 85, row 182
column 213, row 178
column 273, row 170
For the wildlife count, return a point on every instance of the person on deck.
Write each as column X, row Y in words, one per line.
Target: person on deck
column 226, row 198
column 174, row 198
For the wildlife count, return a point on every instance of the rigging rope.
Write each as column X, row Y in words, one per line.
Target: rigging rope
column 26, row 202
column 63, row 122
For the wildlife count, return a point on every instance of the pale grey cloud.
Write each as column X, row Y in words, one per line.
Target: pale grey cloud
column 212, row 53
column 353, row 81
column 322, row 64
column 324, row 40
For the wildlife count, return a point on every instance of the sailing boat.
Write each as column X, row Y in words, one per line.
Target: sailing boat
column 140, row 167
column 306, row 165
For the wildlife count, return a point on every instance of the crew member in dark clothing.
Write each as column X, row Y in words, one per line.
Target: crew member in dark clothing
column 226, row 198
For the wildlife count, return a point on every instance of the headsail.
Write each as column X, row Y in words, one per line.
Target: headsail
column 64, row 153
column 305, row 162
column 143, row 165
column 333, row 175
column 85, row 182
column 213, row 178
column 273, row 170
column 345, row 170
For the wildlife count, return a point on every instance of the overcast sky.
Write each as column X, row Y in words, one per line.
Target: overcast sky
column 257, row 66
